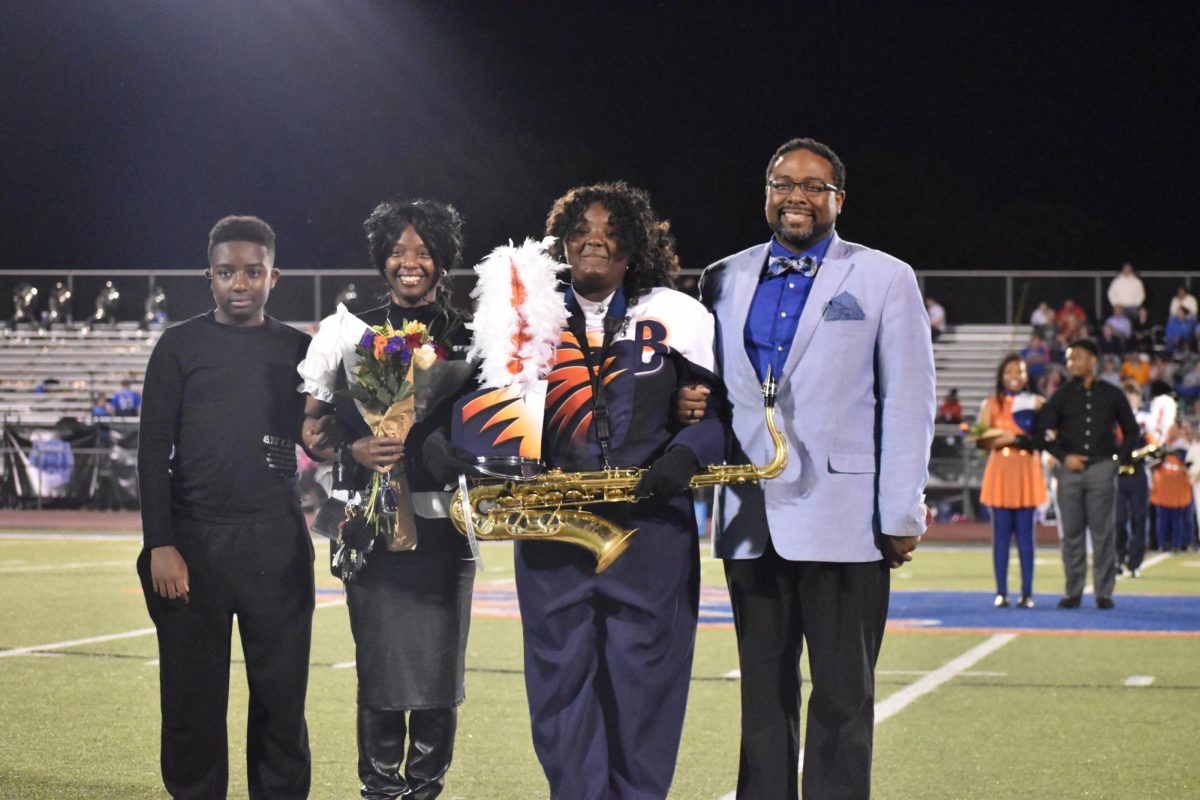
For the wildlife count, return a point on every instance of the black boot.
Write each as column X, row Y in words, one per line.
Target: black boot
column 431, row 745
column 380, row 751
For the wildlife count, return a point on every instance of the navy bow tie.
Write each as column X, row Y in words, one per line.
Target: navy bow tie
column 806, row 265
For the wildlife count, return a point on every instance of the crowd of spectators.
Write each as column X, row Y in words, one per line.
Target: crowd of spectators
column 1135, row 345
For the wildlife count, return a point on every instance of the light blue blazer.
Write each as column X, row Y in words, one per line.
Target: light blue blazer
column 856, row 401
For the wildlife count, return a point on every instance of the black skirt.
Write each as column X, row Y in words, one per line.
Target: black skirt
column 410, row 613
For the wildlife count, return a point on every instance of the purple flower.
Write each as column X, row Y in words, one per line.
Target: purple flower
column 368, row 339
column 396, row 344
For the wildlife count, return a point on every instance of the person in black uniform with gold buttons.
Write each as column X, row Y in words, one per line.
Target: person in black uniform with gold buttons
column 1084, row 414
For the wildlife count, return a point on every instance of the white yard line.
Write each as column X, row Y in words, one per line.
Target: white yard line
column 1090, row 589
column 125, row 562
column 78, row 537
column 40, row 648
column 37, row 648
column 956, row 667
column 897, row 702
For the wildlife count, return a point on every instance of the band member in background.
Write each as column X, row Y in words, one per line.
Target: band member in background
column 410, row 610
column 1133, row 496
column 843, row 330
column 608, row 656
column 222, row 526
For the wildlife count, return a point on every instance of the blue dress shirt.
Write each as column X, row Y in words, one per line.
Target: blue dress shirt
column 775, row 310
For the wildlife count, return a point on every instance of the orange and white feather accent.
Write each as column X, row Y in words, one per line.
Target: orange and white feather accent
column 519, row 314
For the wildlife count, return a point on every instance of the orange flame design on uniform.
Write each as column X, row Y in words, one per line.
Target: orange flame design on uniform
column 570, row 383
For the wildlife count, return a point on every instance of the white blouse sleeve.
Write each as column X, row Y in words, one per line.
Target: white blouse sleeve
column 332, row 348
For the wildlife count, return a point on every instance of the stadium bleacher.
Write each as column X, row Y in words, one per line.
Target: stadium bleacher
column 966, row 357
column 80, row 363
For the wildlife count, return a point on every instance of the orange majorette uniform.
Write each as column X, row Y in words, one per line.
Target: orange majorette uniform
column 1013, row 476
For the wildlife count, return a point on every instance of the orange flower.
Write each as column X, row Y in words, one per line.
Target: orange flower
column 380, row 343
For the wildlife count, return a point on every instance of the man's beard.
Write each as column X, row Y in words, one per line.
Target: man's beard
column 798, row 241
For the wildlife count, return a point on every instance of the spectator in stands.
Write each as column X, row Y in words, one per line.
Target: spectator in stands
column 1183, row 299
column 951, row 409
column 126, row 401
column 1013, row 486
column 937, row 317
column 1054, row 378
column 1143, row 332
column 1126, row 291
column 1133, row 496
column 99, row 406
column 1110, row 343
column 1122, row 326
column 1110, row 369
column 1042, row 320
column 222, row 527
column 1036, row 356
column 1071, row 320
column 1162, row 371
column 1179, row 332
column 1136, row 368
column 1188, row 387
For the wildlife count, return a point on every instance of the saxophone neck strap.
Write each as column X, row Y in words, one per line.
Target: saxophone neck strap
column 614, row 322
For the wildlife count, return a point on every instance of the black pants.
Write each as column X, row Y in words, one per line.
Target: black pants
column 263, row 573
column 839, row 610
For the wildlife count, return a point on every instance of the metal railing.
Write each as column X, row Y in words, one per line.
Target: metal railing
column 969, row 295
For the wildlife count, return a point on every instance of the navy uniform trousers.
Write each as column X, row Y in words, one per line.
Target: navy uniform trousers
column 263, row 573
column 839, row 610
column 1133, row 508
column 608, row 657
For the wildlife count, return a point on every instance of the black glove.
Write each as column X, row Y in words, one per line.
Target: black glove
column 670, row 473
column 444, row 461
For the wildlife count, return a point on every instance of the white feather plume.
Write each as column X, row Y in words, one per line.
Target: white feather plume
column 500, row 322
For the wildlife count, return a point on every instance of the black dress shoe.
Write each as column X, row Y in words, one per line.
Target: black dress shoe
column 1001, row 601
column 1068, row 602
column 1026, row 601
column 1105, row 603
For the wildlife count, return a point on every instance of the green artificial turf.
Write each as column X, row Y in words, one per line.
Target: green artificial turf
column 1043, row 716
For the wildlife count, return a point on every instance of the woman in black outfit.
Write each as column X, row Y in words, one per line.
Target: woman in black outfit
column 409, row 610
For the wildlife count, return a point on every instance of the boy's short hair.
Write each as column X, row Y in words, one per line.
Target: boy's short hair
column 241, row 229
column 1085, row 344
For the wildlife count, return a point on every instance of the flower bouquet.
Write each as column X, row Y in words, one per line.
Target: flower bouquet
column 384, row 386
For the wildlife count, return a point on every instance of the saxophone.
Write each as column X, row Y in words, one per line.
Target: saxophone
column 548, row 506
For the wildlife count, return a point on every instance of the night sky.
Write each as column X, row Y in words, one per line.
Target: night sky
column 991, row 136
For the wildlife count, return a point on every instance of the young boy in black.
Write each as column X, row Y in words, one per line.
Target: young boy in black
column 222, row 527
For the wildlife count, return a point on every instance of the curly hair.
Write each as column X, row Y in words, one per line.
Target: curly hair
column 1008, row 359
column 812, row 146
column 642, row 236
column 241, row 229
column 438, row 224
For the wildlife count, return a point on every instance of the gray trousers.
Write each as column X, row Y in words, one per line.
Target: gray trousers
column 1086, row 501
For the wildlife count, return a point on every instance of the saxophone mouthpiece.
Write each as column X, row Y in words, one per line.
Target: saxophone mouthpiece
column 768, row 388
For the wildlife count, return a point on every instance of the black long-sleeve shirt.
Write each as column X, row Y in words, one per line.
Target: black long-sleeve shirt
column 211, row 393
column 1085, row 422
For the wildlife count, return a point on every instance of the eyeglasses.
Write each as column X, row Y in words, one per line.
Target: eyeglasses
column 811, row 189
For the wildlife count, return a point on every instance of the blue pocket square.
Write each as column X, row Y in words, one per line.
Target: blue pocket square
column 844, row 306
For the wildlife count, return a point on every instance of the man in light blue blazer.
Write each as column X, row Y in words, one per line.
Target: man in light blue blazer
column 844, row 331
